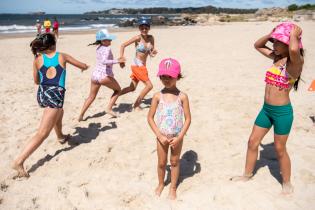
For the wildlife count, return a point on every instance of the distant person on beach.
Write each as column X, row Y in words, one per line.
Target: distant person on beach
column 38, row 27
column 166, row 116
column 103, row 72
column 281, row 77
column 56, row 27
column 144, row 43
column 47, row 25
column 49, row 73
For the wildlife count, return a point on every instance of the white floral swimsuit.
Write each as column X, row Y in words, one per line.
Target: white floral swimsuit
column 169, row 116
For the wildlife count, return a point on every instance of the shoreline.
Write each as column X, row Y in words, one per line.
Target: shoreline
column 78, row 32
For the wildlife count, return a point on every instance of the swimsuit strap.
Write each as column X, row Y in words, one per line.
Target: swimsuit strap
column 163, row 101
column 53, row 61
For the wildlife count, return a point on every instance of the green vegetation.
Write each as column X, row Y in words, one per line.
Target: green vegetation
column 294, row 7
column 189, row 10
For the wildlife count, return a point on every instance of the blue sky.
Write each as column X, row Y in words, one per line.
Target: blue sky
column 80, row 6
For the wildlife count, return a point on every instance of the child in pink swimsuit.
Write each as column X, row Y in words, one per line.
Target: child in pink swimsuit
column 166, row 116
column 103, row 72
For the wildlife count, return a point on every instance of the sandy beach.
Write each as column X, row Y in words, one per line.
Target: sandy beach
column 111, row 163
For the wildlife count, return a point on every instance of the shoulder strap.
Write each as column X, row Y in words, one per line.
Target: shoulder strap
column 161, row 97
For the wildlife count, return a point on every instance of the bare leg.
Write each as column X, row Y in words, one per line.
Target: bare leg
column 130, row 88
column 175, row 167
column 58, row 129
column 111, row 83
column 162, row 151
column 47, row 123
column 144, row 92
column 255, row 138
column 93, row 92
column 284, row 161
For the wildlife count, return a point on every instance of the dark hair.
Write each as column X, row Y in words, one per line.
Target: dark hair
column 180, row 76
column 42, row 42
column 96, row 43
column 296, row 83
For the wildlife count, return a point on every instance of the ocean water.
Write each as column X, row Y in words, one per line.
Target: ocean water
column 25, row 23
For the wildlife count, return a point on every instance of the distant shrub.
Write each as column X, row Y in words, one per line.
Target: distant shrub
column 294, row 7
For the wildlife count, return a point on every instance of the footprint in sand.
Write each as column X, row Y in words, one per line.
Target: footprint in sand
column 128, row 199
column 3, row 187
column 64, row 191
column 307, row 176
column 86, row 193
column 109, row 149
column 34, row 202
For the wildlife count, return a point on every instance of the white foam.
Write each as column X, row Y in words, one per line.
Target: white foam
column 11, row 29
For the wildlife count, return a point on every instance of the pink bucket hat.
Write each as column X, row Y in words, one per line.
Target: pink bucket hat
column 282, row 33
column 169, row 67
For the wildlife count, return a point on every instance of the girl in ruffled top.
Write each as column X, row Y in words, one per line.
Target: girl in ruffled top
column 281, row 77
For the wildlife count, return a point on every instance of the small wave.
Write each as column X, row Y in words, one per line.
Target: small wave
column 11, row 29
column 16, row 27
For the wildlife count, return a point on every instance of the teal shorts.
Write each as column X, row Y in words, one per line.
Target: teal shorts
column 281, row 117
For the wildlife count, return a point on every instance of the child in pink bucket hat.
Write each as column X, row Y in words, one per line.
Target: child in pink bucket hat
column 282, row 33
column 277, row 112
column 169, row 118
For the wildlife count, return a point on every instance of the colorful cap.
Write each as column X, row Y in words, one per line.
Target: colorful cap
column 169, row 67
column 143, row 21
column 104, row 35
column 282, row 33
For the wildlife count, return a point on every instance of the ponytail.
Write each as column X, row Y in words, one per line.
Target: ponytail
column 42, row 42
column 95, row 43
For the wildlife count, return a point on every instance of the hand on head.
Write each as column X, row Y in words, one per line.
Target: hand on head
column 296, row 31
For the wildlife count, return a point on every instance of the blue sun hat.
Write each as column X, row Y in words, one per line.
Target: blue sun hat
column 104, row 35
column 144, row 21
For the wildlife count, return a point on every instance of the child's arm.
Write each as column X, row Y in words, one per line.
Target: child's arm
column 35, row 73
column 150, row 118
column 174, row 141
column 105, row 59
column 296, row 59
column 260, row 46
column 76, row 63
column 127, row 43
column 153, row 51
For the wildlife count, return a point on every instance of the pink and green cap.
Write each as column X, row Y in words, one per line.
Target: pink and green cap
column 282, row 33
column 169, row 67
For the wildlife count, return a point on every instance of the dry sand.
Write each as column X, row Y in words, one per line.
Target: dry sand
column 111, row 163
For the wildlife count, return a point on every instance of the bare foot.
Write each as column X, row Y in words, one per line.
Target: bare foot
column 159, row 190
column 20, row 171
column 243, row 178
column 138, row 108
column 64, row 138
column 111, row 113
column 172, row 194
column 287, row 188
column 80, row 118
